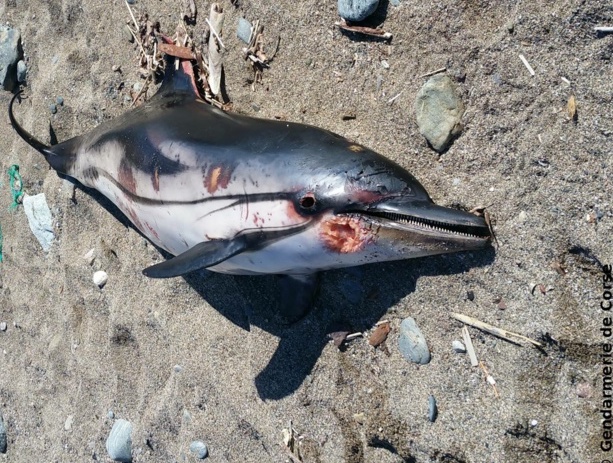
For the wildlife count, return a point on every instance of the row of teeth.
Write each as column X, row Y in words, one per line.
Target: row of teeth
column 418, row 223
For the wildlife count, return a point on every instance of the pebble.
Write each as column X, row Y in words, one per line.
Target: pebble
column 199, row 449
column 3, row 326
column 412, row 344
column 40, row 219
column 2, row 435
column 110, row 415
column 356, row 10
column 137, row 87
column 439, row 111
column 68, row 423
column 100, row 278
column 521, row 218
column 119, row 442
column 243, row 31
column 458, row 347
column 395, row 2
column 60, row 101
column 22, row 70
column 584, row 390
column 10, row 52
column 53, row 108
column 128, row 34
column 432, row 409
column 90, row 256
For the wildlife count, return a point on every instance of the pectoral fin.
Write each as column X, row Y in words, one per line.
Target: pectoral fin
column 297, row 295
column 200, row 256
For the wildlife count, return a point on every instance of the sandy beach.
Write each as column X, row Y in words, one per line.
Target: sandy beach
column 207, row 357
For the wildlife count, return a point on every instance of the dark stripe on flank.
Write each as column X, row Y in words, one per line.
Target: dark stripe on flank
column 239, row 199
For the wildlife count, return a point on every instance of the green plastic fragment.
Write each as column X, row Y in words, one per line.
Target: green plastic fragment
column 16, row 185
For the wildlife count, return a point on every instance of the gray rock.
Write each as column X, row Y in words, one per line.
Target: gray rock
column 458, row 347
column 243, row 31
column 2, row 435
column 439, row 111
column 356, row 10
column 199, row 449
column 3, row 326
column 60, row 101
column 432, row 409
column 53, row 108
column 40, row 219
column 119, row 442
column 412, row 344
column 22, row 71
column 395, row 2
column 10, row 53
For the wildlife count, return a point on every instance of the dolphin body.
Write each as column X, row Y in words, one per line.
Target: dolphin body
column 240, row 195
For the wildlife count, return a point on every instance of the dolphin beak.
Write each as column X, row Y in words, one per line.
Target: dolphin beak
column 426, row 222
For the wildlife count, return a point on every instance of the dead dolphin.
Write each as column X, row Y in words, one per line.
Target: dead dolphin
column 240, row 195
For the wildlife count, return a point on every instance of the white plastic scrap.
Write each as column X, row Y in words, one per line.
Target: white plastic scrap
column 40, row 219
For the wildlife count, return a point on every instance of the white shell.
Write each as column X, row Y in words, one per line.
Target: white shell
column 100, row 278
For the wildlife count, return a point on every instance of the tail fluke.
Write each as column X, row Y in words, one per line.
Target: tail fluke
column 23, row 133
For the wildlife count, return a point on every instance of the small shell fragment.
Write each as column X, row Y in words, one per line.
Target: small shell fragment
column 100, row 278
column 571, row 108
column 379, row 335
column 89, row 256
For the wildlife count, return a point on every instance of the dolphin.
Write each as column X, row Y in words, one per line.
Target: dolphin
column 241, row 195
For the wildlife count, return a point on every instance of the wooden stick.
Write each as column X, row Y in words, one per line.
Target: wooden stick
column 504, row 334
column 470, row 349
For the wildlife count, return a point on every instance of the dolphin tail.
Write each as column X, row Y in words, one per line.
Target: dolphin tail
column 23, row 133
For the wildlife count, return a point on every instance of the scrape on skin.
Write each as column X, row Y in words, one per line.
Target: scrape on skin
column 346, row 234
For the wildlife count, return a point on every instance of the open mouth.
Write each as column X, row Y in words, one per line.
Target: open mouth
column 463, row 230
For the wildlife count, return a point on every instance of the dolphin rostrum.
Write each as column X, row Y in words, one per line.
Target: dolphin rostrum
column 240, row 195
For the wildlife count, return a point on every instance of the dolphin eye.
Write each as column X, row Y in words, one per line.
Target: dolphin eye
column 307, row 202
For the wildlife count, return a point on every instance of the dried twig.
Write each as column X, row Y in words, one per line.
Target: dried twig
column 428, row 74
column 489, row 378
column 342, row 24
column 392, row 99
column 527, row 64
column 214, row 32
column 501, row 333
column 215, row 62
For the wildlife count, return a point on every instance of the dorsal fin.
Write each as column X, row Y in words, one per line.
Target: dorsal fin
column 178, row 78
